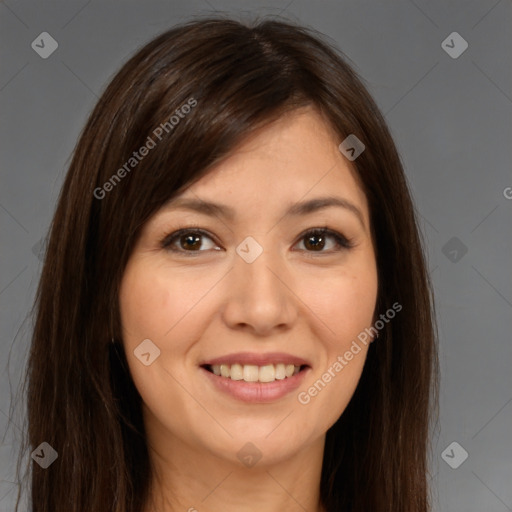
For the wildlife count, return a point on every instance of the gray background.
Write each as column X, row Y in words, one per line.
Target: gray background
column 451, row 119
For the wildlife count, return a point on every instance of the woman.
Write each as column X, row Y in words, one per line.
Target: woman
column 234, row 311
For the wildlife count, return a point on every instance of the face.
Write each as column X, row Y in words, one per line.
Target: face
column 263, row 290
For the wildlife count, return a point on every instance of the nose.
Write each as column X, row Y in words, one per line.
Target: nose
column 259, row 295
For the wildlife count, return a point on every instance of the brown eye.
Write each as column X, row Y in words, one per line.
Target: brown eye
column 190, row 241
column 186, row 241
column 316, row 240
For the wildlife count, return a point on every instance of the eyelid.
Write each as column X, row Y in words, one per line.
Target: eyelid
column 341, row 240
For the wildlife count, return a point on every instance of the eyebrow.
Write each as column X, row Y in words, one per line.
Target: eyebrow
column 298, row 209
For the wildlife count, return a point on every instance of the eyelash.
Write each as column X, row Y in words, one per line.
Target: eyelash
column 342, row 242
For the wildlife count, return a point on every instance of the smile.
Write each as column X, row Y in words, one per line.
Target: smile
column 255, row 377
column 244, row 384
column 254, row 373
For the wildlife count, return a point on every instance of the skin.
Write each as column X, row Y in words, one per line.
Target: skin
column 292, row 298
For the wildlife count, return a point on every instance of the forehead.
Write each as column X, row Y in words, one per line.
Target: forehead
column 293, row 159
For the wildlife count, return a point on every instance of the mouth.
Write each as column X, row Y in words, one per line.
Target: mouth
column 254, row 373
column 255, row 378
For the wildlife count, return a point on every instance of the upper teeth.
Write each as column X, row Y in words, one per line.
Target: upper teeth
column 253, row 373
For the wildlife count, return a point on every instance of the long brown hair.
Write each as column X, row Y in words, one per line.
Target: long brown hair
column 80, row 397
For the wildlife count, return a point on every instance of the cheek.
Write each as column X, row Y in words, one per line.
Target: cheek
column 345, row 304
column 151, row 307
column 153, row 301
column 142, row 300
column 326, row 396
column 344, row 301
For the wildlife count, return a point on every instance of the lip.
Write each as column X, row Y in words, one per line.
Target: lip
column 244, row 358
column 255, row 392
